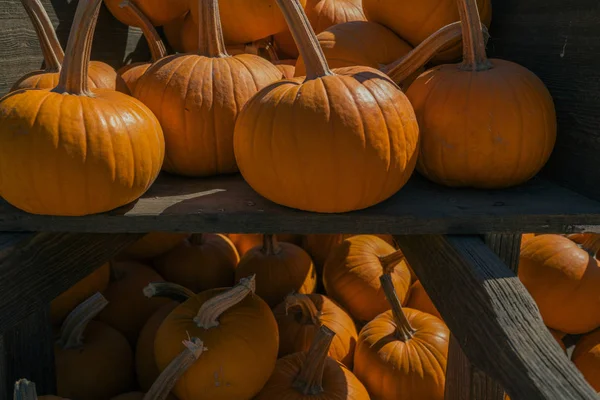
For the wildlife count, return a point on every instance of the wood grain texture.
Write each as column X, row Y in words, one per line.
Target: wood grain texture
column 114, row 43
column 228, row 205
column 560, row 42
column 493, row 317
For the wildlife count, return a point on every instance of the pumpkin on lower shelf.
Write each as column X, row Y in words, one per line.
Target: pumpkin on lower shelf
column 402, row 353
column 299, row 318
column 420, row 300
column 587, row 358
column 152, row 245
column 241, row 336
column 93, row 360
column 246, row 241
column 313, row 375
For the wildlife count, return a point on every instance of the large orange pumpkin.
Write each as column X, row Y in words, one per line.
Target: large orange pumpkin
column 152, row 245
column 246, row 241
column 587, row 358
column 299, row 318
column 500, row 127
column 418, row 299
column 313, row 375
column 352, row 271
column 402, row 354
column 93, row 150
column 197, row 98
column 351, row 133
column 280, row 268
column 563, row 279
column 240, row 333
column 159, row 12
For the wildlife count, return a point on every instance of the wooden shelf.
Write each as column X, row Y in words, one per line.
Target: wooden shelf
column 229, row 205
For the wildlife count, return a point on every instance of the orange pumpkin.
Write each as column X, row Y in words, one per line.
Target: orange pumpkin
column 240, row 333
column 173, row 33
column 25, row 390
column 159, row 12
column 500, row 128
column 131, row 73
column 563, row 279
column 197, row 98
column 93, row 360
column 352, row 271
column 246, row 241
column 402, row 353
column 202, row 262
column 153, row 245
column 280, row 268
column 416, row 21
column 558, row 336
column 351, row 133
column 299, row 318
column 287, row 67
column 66, row 302
column 313, row 375
column 94, row 150
column 587, row 358
column 419, row 300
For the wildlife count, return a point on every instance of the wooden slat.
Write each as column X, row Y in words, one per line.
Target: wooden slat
column 493, row 317
column 228, row 205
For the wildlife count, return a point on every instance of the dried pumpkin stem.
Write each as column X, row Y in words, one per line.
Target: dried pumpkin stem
column 310, row 379
column 270, row 245
column 169, row 290
column 155, row 43
column 305, row 304
column 24, row 390
column 592, row 245
column 305, row 38
column 197, row 239
column 391, row 261
column 168, row 378
column 474, row 57
column 71, row 333
column 74, row 73
column 403, row 329
column 210, row 40
column 211, row 310
column 51, row 48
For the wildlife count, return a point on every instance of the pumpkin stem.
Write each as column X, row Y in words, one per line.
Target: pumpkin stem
column 305, row 38
column 403, row 329
column 211, row 310
column 197, row 239
column 591, row 245
column 310, row 379
column 270, row 245
column 71, row 332
column 24, row 390
column 307, row 308
column 51, row 48
column 74, row 73
column 210, row 40
column 155, row 43
column 168, row 378
column 169, row 290
column 389, row 262
column 474, row 57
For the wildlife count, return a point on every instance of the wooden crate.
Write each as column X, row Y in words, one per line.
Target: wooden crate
column 463, row 244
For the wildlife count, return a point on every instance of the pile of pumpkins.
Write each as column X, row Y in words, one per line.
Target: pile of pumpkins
column 318, row 123
column 251, row 316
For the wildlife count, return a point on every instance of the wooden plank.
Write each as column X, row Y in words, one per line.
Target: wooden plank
column 42, row 267
column 493, row 317
column 560, row 42
column 228, row 205
column 114, row 43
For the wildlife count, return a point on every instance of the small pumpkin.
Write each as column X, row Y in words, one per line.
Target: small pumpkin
column 313, row 375
column 240, row 333
column 402, row 353
column 352, row 271
column 587, row 358
column 500, row 128
column 563, row 279
column 93, row 361
column 25, row 390
column 300, row 317
column 287, row 67
column 159, row 12
column 197, row 98
column 94, row 150
column 152, row 245
column 201, row 262
column 280, row 268
column 246, row 241
column 317, row 131
column 420, row 300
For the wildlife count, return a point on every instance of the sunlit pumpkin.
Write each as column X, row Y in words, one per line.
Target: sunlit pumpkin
column 159, row 12
column 587, row 358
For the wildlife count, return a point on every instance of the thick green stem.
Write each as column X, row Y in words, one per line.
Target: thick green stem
column 210, row 40
column 474, row 57
column 71, row 333
column 310, row 379
column 404, row 331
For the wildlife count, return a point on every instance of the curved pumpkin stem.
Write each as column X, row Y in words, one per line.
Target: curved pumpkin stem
column 155, row 43
column 24, row 390
column 74, row 73
column 270, row 245
column 168, row 378
column 169, row 290
column 51, row 48
column 305, row 38
column 474, row 56
column 403, row 329
column 592, row 245
column 391, row 261
column 310, row 379
column 210, row 40
column 308, row 309
column 71, row 333
column 211, row 310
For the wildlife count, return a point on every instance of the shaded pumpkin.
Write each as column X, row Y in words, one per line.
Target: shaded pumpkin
column 173, row 33
column 246, row 241
column 152, row 245
column 287, row 68
column 587, row 358
column 159, row 12
column 558, row 336
column 418, row 299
